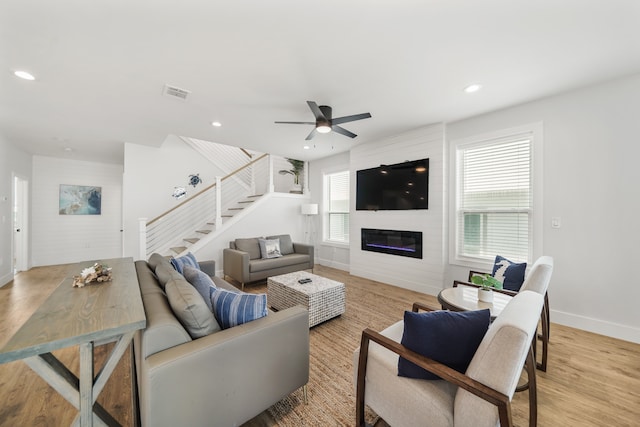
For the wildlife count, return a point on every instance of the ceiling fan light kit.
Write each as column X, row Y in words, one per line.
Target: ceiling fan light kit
column 325, row 123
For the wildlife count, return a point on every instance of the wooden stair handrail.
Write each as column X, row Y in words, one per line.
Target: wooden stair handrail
column 162, row 215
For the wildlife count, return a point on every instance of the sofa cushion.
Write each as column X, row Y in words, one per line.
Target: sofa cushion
column 286, row 244
column 235, row 308
column 156, row 259
column 165, row 272
column 190, row 308
column 251, row 246
column 180, row 262
column 201, row 281
column 511, row 274
column 269, row 248
column 163, row 329
column 283, row 261
column 147, row 279
column 448, row 337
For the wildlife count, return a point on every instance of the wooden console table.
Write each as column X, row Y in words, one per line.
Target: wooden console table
column 88, row 317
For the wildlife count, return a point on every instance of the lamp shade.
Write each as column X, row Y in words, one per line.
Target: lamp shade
column 309, row 209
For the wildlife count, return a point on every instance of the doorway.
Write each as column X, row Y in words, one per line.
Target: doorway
column 20, row 224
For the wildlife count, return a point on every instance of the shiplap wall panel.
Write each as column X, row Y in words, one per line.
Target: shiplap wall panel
column 423, row 275
column 59, row 239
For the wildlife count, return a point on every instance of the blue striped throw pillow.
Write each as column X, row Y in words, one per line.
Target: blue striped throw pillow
column 180, row 262
column 232, row 308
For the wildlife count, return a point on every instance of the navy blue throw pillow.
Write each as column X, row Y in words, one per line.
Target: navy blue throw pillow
column 509, row 273
column 448, row 337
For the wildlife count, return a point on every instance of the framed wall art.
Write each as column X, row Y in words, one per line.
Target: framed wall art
column 80, row 200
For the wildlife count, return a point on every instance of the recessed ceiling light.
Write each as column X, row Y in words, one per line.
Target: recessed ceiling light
column 216, row 124
column 472, row 88
column 68, row 149
column 306, row 147
column 24, row 75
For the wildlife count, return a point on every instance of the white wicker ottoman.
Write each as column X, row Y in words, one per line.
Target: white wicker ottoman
column 324, row 298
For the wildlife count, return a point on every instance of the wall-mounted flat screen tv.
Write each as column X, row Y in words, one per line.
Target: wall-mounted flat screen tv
column 402, row 186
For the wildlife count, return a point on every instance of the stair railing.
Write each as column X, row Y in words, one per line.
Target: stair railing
column 206, row 208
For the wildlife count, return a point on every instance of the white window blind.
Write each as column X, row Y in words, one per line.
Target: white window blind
column 494, row 199
column 338, row 206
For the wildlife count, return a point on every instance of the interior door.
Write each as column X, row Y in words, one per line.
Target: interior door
column 20, row 224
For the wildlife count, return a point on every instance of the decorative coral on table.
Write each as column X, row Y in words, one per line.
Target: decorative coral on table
column 97, row 273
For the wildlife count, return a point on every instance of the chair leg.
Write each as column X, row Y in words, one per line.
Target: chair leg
column 532, row 352
column 546, row 308
column 545, row 341
column 530, row 365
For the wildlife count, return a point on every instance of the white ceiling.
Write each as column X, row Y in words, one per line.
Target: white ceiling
column 100, row 67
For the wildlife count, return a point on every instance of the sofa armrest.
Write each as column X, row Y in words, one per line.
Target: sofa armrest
column 208, row 267
column 236, row 264
column 220, row 377
column 303, row 248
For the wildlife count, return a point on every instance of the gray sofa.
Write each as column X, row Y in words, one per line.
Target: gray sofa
column 243, row 260
column 214, row 380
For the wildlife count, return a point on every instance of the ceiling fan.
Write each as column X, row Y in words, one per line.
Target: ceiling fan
column 325, row 124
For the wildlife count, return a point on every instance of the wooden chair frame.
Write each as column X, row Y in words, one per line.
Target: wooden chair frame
column 544, row 318
column 489, row 394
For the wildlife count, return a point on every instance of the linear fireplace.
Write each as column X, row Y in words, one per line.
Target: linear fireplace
column 393, row 242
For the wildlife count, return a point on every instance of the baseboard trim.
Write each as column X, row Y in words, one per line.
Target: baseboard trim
column 421, row 287
column 6, row 279
column 333, row 264
column 601, row 327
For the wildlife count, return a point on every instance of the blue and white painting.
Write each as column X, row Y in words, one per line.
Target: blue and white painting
column 80, row 200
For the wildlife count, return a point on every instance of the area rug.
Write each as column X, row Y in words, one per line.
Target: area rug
column 331, row 392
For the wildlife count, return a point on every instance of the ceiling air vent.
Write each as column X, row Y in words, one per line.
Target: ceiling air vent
column 176, row 92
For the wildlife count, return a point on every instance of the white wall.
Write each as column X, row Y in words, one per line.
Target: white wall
column 150, row 176
column 152, row 173
column 60, row 239
column 591, row 176
column 329, row 254
column 277, row 213
column 423, row 275
column 13, row 161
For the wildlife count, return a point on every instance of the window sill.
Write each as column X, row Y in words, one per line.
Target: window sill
column 342, row 245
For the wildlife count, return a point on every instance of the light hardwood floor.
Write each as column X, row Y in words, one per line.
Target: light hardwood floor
column 592, row 380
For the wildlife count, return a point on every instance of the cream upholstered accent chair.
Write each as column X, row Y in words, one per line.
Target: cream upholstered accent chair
column 536, row 280
column 481, row 397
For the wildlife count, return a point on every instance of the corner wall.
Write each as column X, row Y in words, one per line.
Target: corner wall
column 61, row 239
column 423, row 275
column 591, row 178
column 330, row 254
column 275, row 213
column 13, row 161
column 150, row 176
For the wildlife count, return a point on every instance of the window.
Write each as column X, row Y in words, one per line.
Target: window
column 494, row 203
column 337, row 207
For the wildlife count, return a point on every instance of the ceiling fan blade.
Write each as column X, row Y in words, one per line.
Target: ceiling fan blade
column 316, row 111
column 343, row 131
column 297, row 123
column 311, row 135
column 353, row 118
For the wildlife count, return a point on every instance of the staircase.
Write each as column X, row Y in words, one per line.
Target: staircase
column 209, row 227
column 195, row 219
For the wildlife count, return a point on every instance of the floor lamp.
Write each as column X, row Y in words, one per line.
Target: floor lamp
column 308, row 210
